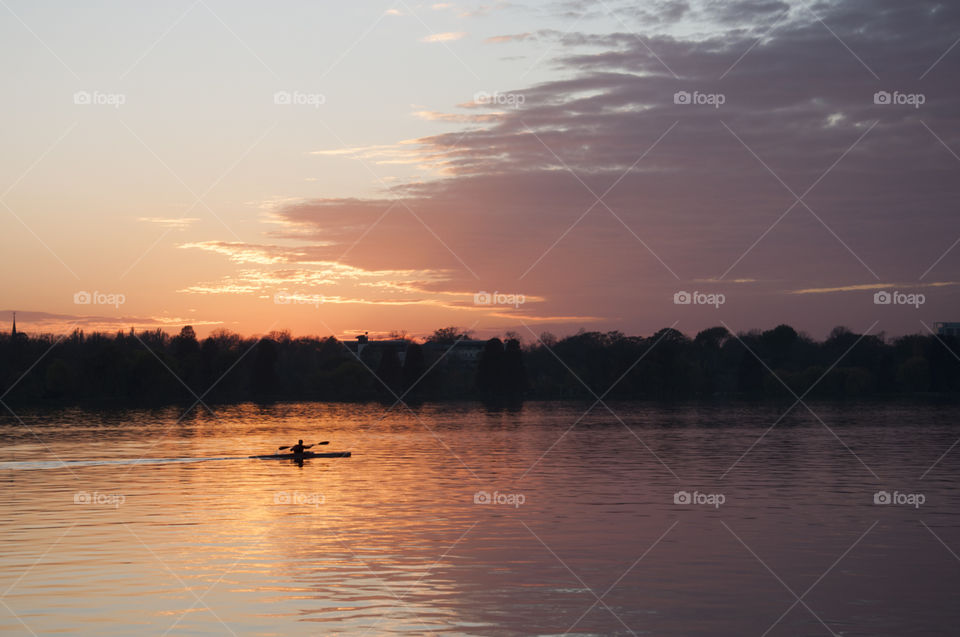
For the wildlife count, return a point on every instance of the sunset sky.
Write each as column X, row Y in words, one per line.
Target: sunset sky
column 373, row 166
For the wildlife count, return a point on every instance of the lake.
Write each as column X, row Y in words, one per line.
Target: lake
column 465, row 520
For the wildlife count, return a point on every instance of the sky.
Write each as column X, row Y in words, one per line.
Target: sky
column 336, row 168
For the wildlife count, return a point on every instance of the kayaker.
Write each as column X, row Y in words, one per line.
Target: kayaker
column 298, row 448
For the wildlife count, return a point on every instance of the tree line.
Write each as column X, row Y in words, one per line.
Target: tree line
column 153, row 367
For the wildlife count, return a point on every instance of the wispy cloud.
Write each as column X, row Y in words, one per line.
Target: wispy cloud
column 514, row 37
column 874, row 286
column 459, row 118
column 48, row 322
column 449, row 36
column 178, row 223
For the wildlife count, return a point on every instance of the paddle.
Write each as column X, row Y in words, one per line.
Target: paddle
column 325, row 442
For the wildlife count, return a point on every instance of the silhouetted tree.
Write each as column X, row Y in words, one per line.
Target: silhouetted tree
column 264, row 368
column 490, row 368
column 448, row 335
column 389, row 370
column 514, row 372
column 136, row 366
column 414, row 366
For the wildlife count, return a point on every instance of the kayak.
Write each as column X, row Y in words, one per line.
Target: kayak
column 305, row 454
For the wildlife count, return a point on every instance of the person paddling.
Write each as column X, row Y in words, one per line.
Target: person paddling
column 299, row 449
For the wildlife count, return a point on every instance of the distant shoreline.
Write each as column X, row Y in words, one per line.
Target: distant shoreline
column 777, row 365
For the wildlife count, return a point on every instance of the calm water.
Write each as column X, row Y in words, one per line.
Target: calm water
column 583, row 534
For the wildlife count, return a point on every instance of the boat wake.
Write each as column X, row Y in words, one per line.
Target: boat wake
column 69, row 464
